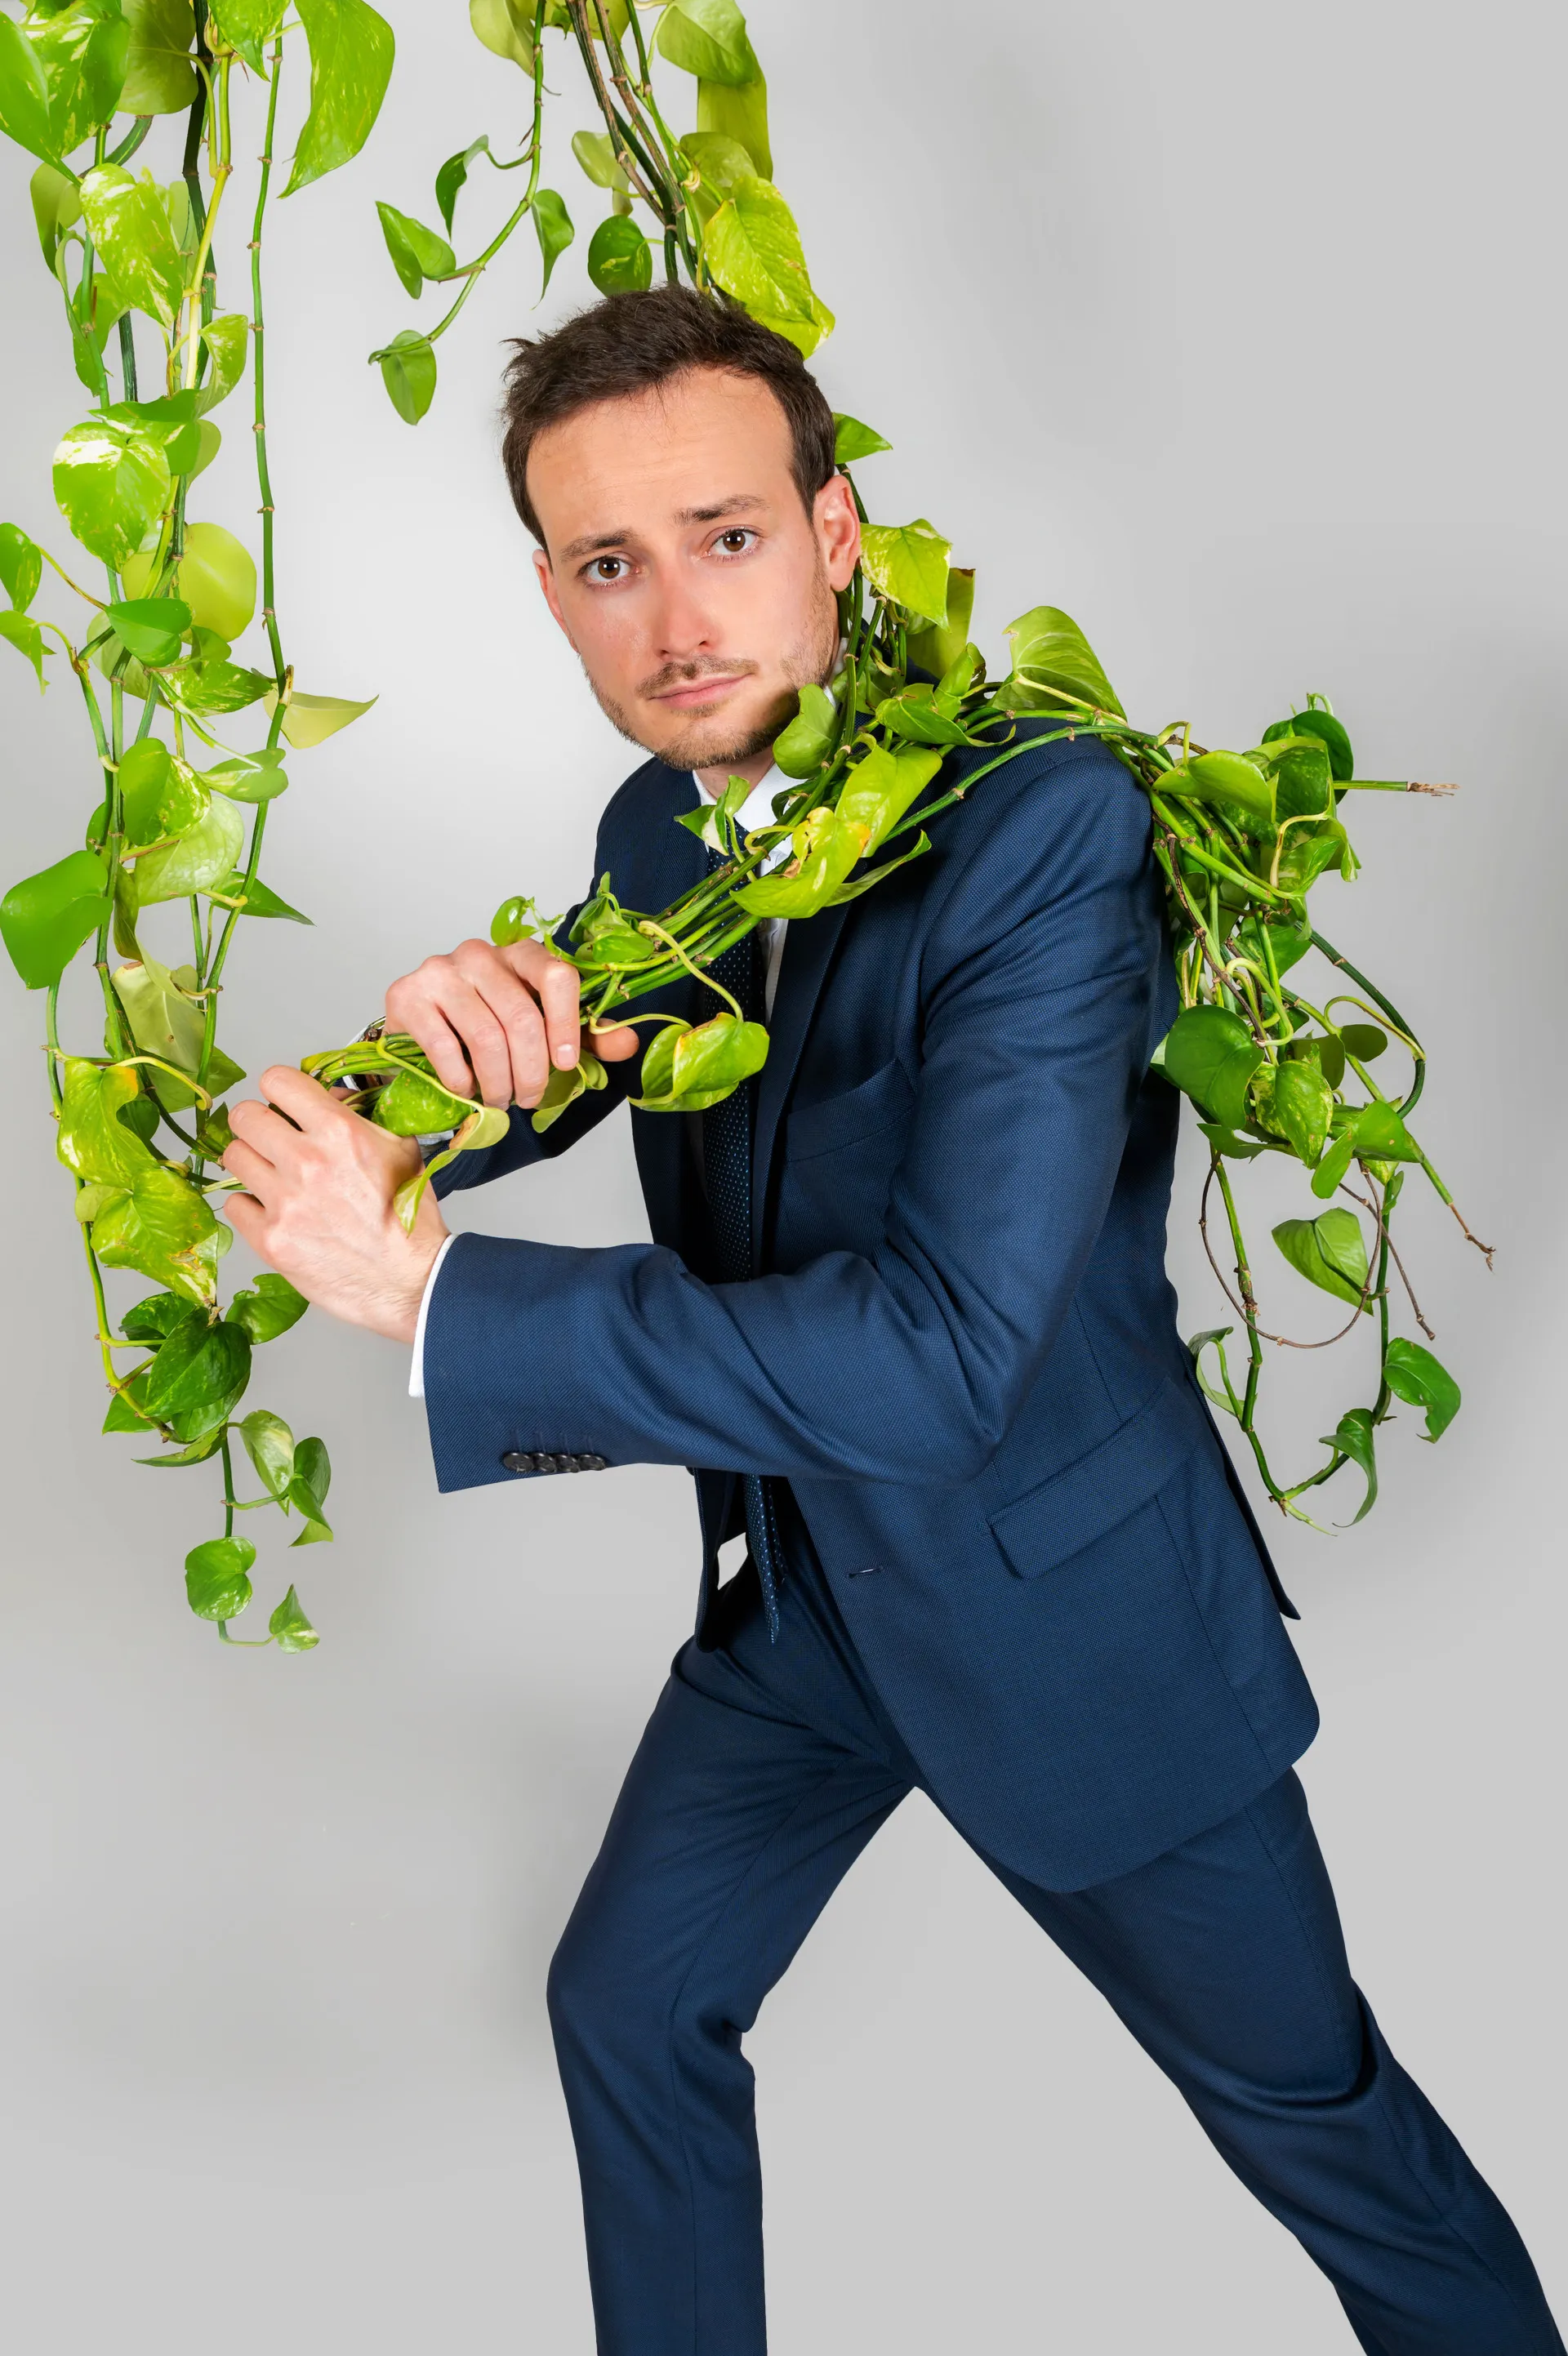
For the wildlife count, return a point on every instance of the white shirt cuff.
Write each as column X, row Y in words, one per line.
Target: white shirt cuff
column 416, row 1372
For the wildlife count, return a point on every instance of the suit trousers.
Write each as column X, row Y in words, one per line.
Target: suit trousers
column 764, row 1772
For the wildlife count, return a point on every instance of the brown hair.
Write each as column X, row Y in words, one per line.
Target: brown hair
column 627, row 343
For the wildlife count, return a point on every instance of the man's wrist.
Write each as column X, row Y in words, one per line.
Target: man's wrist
column 417, row 1369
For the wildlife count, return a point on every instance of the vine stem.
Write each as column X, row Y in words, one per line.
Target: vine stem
column 1247, row 1306
column 473, row 272
column 258, row 364
column 1334, row 955
column 628, row 157
column 213, row 974
column 222, row 167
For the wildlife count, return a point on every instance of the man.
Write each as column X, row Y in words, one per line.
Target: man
column 906, row 1310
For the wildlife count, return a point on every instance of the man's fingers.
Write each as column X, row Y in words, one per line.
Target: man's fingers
column 257, row 1175
column 518, row 1012
column 560, row 991
column 246, row 1216
column 484, row 1036
column 306, row 1103
column 266, row 1133
column 429, row 1029
column 611, row 1046
column 494, row 1019
column 536, row 1004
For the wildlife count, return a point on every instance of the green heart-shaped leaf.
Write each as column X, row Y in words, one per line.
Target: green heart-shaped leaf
column 1414, row 1376
column 45, row 918
column 350, row 64
column 1055, row 669
column 1330, row 1252
column 217, row 1584
column 111, row 481
column 909, row 562
column 269, row 1308
column 290, row 1630
column 620, row 260
column 1352, row 1436
column 269, row 1444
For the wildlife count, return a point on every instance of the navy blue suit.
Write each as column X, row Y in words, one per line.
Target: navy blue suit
column 1020, row 1573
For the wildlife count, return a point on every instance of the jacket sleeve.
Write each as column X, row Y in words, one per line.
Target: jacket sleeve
column 1040, row 1002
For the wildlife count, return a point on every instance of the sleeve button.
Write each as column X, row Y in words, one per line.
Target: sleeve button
column 514, row 1462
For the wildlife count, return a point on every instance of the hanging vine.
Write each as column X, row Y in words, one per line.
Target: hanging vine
column 176, row 815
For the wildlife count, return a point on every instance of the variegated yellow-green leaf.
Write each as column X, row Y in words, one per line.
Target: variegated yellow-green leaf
column 197, row 859
column 161, row 1225
column 751, row 247
column 94, row 1142
column 1054, row 667
column 226, row 341
column 131, row 230
column 909, row 562
column 111, row 481
column 83, row 51
column 310, row 719
column 350, row 64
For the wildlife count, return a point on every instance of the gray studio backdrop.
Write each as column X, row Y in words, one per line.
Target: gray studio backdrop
column 1231, row 328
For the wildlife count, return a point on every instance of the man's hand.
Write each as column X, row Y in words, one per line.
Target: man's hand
column 318, row 1204
column 498, row 1019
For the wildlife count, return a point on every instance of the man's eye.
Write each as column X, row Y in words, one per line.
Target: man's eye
column 607, row 568
column 735, row 542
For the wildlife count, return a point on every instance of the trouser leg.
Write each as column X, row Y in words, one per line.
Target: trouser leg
column 734, row 1825
column 1226, row 1960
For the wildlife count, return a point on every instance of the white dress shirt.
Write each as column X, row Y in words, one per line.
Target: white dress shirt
column 756, row 810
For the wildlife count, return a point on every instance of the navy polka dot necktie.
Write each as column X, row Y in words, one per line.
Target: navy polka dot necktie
column 727, row 1128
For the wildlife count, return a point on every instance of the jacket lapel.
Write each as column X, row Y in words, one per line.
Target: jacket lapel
column 657, row 863
column 808, row 947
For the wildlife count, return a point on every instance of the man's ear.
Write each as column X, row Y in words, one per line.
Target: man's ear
column 837, row 528
column 545, row 572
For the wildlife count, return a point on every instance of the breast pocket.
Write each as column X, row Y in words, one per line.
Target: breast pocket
column 877, row 1104
column 839, row 1161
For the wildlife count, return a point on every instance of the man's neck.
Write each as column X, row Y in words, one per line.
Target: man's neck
column 714, row 781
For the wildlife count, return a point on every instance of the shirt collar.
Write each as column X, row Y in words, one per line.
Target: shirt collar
column 757, row 808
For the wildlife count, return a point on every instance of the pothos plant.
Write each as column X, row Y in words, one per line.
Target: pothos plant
column 178, row 811
column 1275, row 1064
column 152, row 124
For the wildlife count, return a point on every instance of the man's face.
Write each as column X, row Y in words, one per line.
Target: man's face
column 682, row 566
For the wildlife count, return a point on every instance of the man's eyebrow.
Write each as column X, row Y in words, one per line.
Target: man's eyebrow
column 739, row 503
column 593, row 542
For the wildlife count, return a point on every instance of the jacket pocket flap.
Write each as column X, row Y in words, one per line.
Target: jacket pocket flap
column 855, row 1113
column 1097, row 1492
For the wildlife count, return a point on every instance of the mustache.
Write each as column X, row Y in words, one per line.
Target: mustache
column 696, row 666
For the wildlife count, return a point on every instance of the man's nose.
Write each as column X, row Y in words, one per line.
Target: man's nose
column 683, row 624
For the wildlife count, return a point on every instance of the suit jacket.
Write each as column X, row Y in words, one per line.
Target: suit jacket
column 959, row 1342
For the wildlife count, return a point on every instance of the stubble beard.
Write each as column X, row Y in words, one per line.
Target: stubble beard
column 708, row 743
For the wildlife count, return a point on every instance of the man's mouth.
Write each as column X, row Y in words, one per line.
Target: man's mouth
column 691, row 694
